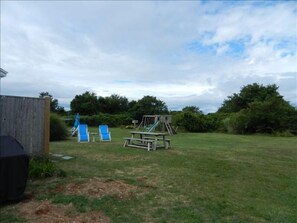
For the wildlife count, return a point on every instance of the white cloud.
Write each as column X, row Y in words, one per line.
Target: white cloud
column 140, row 48
column 258, row 23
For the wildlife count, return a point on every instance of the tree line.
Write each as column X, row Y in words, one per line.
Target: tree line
column 255, row 109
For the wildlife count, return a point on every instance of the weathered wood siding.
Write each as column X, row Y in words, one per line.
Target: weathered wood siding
column 26, row 119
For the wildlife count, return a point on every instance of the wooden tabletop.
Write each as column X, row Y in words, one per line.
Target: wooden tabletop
column 149, row 133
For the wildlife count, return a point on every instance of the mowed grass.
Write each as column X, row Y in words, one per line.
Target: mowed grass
column 203, row 178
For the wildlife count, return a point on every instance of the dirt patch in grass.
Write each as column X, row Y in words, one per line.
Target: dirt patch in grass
column 45, row 212
column 98, row 188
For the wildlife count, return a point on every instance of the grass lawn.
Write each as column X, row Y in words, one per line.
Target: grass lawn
column 203, row 178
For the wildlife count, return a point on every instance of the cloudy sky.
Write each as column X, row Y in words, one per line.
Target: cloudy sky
column 186, row 53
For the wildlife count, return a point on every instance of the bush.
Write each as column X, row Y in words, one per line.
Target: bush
column 129, row 127
column 283, row 134
column 108, row 119
column 58, row 129
column 193, row 122
column 271, row 116
column 42, row 167
column 236, row 123
column 212, row 123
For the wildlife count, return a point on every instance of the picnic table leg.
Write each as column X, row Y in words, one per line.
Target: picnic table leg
column 167, row 142
column 126, row 142
column 155, row 143
column 149, row 146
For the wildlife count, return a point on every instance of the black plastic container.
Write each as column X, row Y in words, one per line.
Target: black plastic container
column 14, row 167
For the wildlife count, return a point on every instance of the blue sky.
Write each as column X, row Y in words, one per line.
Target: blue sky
column 186, row 53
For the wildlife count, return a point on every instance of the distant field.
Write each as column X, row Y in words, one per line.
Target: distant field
column 203, row 178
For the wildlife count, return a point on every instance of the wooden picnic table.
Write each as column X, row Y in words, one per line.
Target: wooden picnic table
column 147, row 140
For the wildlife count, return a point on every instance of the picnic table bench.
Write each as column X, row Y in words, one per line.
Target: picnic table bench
column 167, row 141
column 140, row 143
column 147, row 140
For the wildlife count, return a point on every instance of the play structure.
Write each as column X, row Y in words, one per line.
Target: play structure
column 150, row 123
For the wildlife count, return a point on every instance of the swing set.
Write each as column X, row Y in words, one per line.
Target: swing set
column 150, row 123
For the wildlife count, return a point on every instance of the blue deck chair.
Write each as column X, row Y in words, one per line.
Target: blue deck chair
column 104, row 133
column 83, row 133
column 75, row 126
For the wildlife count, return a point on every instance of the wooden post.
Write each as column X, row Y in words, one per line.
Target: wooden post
column 47, row 104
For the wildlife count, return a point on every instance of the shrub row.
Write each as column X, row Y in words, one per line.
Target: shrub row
column 196, row 122
column 102, row 118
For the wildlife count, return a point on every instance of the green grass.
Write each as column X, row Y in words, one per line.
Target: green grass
column 203, row 178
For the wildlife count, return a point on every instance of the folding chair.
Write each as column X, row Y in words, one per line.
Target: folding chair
column 83, row 133
column 104, row 133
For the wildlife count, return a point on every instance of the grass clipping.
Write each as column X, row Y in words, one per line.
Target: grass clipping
column 47, row 212
column 98, row 188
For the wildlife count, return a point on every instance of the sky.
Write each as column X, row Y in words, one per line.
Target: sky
column 185, row 53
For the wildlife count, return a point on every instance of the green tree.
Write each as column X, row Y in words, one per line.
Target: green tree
column 258, row 109
column 116, row 104
column 85, row 104
column 250, row 93
column 272, row 115
column 148, row 105
column 54, row 104
column 192, row 109
column 102, row 104
column 131, row 104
